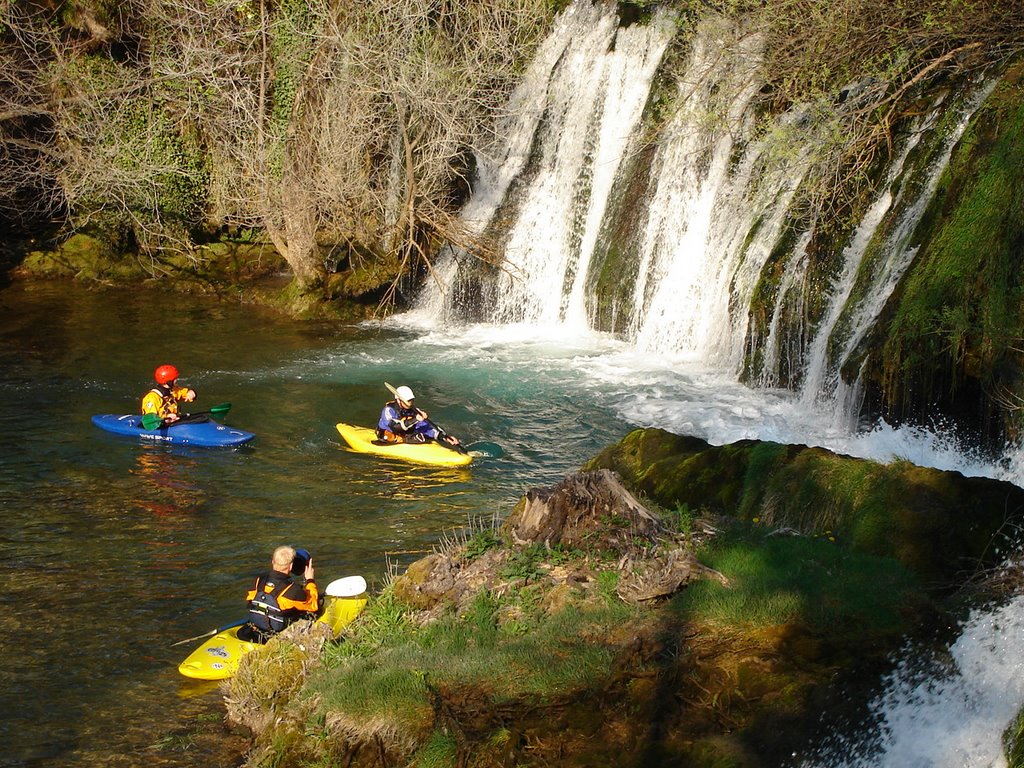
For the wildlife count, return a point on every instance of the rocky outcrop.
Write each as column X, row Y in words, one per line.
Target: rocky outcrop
column 589, row 512
column 941, row 525
column 536, row 661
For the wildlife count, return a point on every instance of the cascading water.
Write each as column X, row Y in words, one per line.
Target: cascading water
column 705, row 222
column 695, row 250
column 578, row 107
column 876, row 260
column 713, row 216
column 947, row 710
column 595, row 100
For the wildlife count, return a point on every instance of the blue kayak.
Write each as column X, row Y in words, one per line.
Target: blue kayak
column 206, row 433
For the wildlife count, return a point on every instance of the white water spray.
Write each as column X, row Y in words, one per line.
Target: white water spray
column 697, row 263
column 945, row 712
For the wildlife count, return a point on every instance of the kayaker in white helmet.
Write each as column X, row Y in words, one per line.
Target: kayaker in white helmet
column 402, row 422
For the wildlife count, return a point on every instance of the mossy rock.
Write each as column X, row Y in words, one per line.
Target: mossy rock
column 83, row 257
column 1013, row 742
column 938, row 524
column 635, row 457
column 945, row 342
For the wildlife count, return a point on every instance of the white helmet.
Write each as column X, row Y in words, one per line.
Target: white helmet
column 404, row 394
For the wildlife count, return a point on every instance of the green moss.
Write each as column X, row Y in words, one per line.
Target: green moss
column 935, row 523
column 959, row 312
column 780, row 580
column 1013, row 742
column 440, row 751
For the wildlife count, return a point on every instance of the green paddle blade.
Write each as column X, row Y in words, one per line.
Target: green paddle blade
column 151, row 421
column 220, row 410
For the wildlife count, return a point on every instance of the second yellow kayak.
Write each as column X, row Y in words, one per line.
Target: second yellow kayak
column 364, row 440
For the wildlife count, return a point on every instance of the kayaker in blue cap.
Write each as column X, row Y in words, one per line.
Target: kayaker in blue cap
column 402, row 422
column 281, row 596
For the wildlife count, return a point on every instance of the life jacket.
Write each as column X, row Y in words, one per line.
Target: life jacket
column 167, row 401
column 396, row 422
column 264, row 611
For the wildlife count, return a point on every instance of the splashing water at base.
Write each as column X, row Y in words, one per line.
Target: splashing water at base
column 945, row 711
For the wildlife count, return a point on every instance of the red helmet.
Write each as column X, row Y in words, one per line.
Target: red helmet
column 165, row 374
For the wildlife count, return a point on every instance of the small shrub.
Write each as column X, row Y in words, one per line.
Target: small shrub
column 480, row 542
column 524, row 563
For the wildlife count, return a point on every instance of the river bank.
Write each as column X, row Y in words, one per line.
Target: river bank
column 590, row 627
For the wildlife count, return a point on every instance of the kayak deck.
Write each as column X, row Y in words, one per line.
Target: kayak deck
column 364, row 440
column 208, row 434
column 218, row 658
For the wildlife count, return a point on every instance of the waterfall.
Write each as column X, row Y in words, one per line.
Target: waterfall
column 877, row 258
column 947, row 710
column 594, row 103
column 650, row 196
column 695, row 253
column 577, row 109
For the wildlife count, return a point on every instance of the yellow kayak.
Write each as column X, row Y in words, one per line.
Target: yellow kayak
column 364, row 440
column 218, row 657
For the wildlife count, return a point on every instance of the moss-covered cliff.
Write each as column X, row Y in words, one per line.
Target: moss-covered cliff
column 948, row 342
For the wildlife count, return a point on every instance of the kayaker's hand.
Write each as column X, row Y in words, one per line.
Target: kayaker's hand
column 308, row 573
column 170, row 418
column 190, row 395
column 421, row 415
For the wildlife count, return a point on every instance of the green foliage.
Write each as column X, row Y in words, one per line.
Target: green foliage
column 682, row 519
column 382, row 621
column 776, row 580
column 560, row 654
column 524, row 563
column 145, row 167
column 1013, row 742
column 480, row 542
column 607, row 582
column 559, row 554
column 440, row 751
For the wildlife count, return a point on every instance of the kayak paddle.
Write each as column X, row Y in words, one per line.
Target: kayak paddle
column 442, row 433
column 152, row 421
column 211, row 632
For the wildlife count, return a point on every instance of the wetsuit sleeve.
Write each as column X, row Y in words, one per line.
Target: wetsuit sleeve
column 152, row 403
column 300, row 598
column 386, row 416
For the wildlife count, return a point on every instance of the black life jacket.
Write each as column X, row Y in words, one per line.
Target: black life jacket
column 264, row 611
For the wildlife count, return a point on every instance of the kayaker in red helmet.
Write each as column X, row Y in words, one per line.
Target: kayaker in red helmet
column 163, row 399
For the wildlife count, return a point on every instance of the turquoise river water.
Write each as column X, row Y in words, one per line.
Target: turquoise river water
column 111, row 550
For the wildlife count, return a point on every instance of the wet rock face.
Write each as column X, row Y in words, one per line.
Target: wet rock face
column 939, row 524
